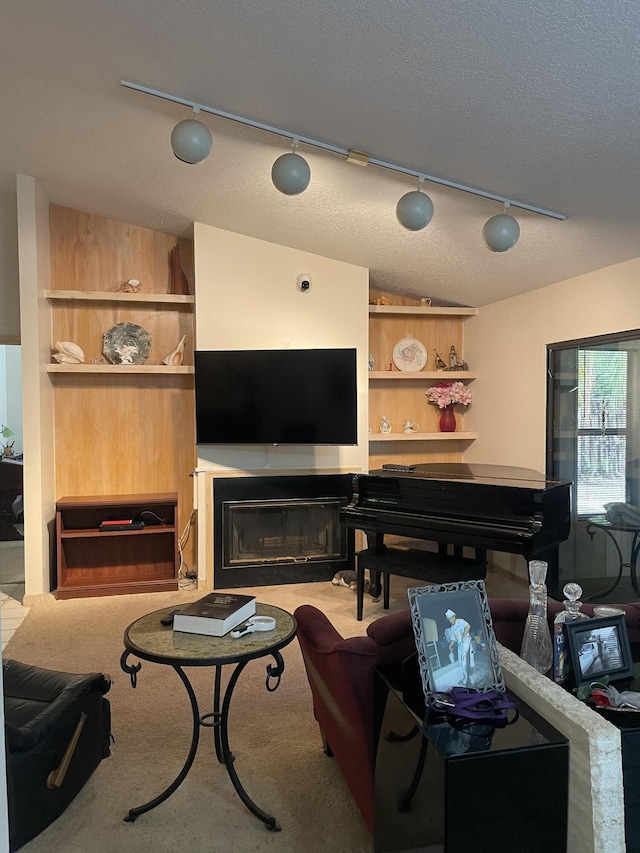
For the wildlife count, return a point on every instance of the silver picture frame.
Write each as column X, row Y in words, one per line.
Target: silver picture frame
column 457, row 650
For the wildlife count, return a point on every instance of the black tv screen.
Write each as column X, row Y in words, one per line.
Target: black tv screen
column 276, row 396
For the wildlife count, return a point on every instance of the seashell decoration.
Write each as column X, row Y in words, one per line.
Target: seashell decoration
column 176, row 355
column 130, row 286
column 126, row 343
column 68, row 353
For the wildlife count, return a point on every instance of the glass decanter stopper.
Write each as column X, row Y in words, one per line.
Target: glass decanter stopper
column 537, row 648
column 571, row 613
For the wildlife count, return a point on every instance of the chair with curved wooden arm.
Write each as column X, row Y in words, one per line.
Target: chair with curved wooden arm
column 57, row 730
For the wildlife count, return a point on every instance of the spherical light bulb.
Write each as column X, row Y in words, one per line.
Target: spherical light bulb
column 291, row 174
column 191, row 141
column 414, row 210
column 501, row 232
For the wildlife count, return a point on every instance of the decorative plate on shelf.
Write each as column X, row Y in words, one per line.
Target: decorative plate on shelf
column 126, row 343
column 409, row 354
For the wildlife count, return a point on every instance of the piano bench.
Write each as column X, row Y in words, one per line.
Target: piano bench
column 428, row 566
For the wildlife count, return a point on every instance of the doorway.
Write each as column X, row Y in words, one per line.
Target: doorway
column 11, row 479
column 593, row 439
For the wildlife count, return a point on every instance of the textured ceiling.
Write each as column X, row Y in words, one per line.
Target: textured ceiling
column 536, row 101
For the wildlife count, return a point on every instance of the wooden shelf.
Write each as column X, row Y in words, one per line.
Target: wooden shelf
column 118, row 368
column 132, row 298
column 405, row 375
column 423, row 309
column 422, row 436
column 94, row 562
column 92, row 532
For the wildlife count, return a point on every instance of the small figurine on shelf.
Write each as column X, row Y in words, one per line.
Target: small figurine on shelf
column 385, row 426
column 440, row 365
column 131, row 286
column 370, row 362
column 68, row 353
column 454, row 364
column 178, row 283
column 176, row 355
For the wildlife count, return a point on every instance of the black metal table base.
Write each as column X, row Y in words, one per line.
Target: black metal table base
column 632, row 565
column 218, row 720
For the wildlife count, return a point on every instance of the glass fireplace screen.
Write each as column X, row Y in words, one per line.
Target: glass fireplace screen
column 281, row 531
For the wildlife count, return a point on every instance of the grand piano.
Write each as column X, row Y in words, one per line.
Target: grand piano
column 486, row 507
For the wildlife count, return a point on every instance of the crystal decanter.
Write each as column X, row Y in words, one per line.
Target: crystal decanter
column 571, row 613
column 537, row 648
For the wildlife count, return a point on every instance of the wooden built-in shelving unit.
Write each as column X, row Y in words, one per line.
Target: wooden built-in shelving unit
column 398, row 395
column 121, row 429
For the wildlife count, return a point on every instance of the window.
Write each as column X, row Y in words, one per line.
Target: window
column 601, row 429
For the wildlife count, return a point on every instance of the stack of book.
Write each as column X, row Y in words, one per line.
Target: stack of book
column 215, row 615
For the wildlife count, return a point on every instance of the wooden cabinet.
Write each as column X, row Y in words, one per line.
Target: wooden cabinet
column 400, row 395
column 94, row 562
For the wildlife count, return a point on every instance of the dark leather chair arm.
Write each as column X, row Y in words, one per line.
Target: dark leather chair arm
column 25, row 686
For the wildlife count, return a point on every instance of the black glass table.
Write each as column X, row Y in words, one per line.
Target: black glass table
column 468, row 787
column 148, row 639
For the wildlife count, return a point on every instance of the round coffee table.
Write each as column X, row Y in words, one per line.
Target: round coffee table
column 148, row 639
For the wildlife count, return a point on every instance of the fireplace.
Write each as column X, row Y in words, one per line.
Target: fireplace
column 284, row 529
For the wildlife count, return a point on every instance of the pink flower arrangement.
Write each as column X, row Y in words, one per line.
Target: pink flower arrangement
column 447, row 393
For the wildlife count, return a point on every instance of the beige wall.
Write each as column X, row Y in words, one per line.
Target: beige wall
column 37, row 394
column 247, row 298
column 506, row 344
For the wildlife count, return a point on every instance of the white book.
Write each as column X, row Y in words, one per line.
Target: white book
column 214, row 615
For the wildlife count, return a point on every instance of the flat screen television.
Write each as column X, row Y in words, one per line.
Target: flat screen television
column 306, row 396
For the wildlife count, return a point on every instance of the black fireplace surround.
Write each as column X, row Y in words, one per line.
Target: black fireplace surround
column 280, row 529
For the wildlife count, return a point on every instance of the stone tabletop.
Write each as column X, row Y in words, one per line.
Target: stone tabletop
column 149, row 639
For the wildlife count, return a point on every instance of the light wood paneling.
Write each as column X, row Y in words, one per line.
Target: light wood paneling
column 416, row 452
column 399, row 400
column 121, row 435
column 435, row 332
column 90, row 252
column 85, row 323
column 131, row 432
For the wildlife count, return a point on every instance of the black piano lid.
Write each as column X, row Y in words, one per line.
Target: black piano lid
column 495, row 475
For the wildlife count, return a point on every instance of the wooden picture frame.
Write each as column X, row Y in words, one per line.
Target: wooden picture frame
column 599, row 648
column 458, row 650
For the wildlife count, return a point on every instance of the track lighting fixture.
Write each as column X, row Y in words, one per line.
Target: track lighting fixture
column 191, row 141
column 501, row 232
column 415, row 209
column 291, row 173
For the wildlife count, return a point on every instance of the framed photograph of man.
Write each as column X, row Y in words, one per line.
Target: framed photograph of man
column 454, row 637
column 599, row 648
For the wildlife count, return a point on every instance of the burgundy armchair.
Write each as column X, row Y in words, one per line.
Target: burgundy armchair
column 345, row 702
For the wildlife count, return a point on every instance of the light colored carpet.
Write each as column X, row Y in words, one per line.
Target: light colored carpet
column 274, row 737
column 12, row 562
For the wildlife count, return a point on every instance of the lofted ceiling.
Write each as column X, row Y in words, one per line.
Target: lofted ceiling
column 532, row 100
